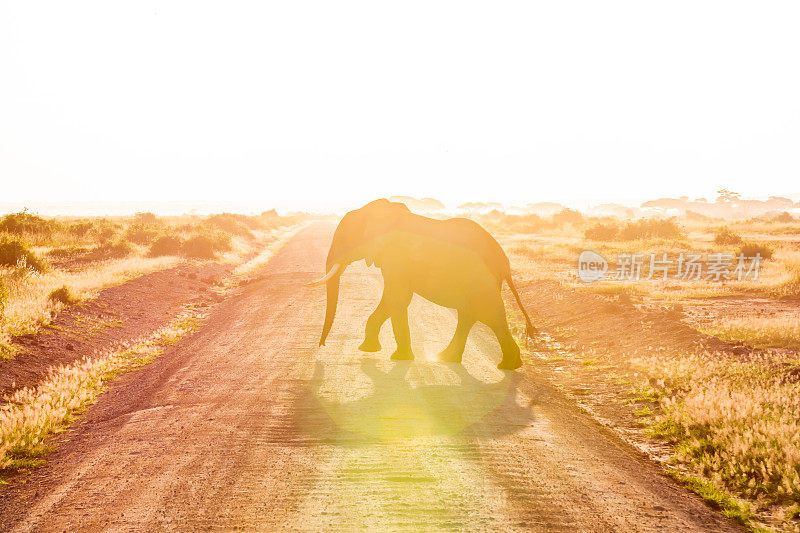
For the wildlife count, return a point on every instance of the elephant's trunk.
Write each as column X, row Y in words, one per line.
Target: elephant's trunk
column 330, row 309
column 339, row 256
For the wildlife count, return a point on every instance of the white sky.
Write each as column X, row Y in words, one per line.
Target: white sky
column 307, row 103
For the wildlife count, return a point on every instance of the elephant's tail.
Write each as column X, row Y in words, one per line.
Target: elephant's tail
column 529, row 329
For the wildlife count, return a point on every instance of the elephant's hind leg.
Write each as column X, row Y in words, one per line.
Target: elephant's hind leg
column 496, row 320
column 455, row 350
column 373, row 329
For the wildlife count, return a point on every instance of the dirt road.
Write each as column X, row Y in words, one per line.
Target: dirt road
column 247, row 424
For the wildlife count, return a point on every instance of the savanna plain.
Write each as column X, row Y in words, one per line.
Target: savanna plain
column 198, row 329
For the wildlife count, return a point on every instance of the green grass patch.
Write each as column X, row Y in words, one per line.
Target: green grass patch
column 715, row 497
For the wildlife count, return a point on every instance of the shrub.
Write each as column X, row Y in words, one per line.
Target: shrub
column 784, row 217
column 199, row 247
column 221, row 241
column 144, row 219
column 26, row 223
column 751, row 249
column 80, row 229
column 141, row 234
column 104, row 232
column 725, row 236
column 206, row 245
column 531, row 223
column 166, row 245
column 232, row 223
column 650, row 228
column 112, row 250
column 602, row 232
column 568, row 216
column 13, row 253
column 67, row 251
column 62, row 295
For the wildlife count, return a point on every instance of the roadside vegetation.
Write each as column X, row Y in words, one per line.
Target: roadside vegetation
column 31, row 415
column 731, row 417
column 734, row 424
column 47, row 263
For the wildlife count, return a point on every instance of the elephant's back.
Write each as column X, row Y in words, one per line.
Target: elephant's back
column 469, row 234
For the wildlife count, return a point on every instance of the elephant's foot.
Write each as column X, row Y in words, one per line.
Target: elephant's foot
column 370, row 345
column 450, row 356
column 403, row 354
column 510, row 363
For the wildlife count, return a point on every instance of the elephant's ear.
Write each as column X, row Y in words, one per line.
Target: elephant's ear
column 378, row 250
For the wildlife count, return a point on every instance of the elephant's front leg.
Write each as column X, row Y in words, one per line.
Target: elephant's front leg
column 402, row 335
column 374, row 322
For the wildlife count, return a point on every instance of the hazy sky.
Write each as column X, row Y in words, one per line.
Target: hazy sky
column 314, row 102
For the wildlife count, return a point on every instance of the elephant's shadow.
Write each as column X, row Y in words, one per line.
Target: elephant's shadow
column 397, row 407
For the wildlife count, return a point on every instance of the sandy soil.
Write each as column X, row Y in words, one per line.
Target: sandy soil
column 247, row 424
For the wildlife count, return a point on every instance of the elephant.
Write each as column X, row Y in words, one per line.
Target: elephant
column 453, row 262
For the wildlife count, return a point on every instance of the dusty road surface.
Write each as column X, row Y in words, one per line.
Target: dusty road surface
column 247, row 424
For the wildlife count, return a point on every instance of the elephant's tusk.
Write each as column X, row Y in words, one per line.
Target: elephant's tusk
column 332, row 272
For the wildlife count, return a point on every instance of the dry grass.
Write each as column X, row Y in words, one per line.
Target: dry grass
column 104, row 260
column 760, row 332
column 31, row 415
column 733, row 422
column 28, row 305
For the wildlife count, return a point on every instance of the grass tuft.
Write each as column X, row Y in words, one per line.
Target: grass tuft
column 62, row 295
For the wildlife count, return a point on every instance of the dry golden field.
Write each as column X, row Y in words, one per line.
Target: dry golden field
column 728, row 409
column 47, row 263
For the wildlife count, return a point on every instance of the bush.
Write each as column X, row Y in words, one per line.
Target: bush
column 104, row 232
column 646, row 228
column 568, row 216
column 66, row 252
column 531, row 223
column 115, row 250
column 166, row 245
column 141, row 234
column 784, row 217
column 80, row 229
column 232, row 223
column 602, row 232
column 199, row 247
column 26, row 223
column 649, row 228
column 14, row 253
column 725, row 236
column 145, row 219
column 750, row 249
column 62, row 295
column 206, row 245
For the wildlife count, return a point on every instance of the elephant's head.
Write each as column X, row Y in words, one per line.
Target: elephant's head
column 355, row 238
